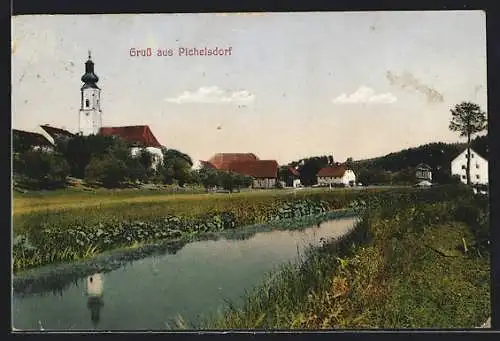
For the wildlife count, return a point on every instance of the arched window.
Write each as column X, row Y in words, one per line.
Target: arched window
column 87, row 103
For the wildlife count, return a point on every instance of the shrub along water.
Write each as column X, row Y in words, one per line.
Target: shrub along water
column 405, row 265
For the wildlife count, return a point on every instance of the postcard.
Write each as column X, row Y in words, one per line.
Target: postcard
column 257, row 171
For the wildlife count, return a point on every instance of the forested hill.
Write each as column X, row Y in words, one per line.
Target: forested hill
column 437, row 155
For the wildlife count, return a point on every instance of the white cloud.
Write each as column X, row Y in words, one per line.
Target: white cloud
column 365, row 95
column 213, row 94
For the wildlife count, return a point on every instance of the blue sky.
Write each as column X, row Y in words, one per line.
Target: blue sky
column 359, row 84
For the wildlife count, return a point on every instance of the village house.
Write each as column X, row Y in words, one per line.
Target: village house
column 289, row 177
column 263, row 172
column 25, row 140
column 478, row 168
column 336, row 175
column 423, row 172
column 137, row 137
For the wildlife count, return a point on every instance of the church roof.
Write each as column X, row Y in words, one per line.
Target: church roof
column 89, row 77
column 141, row 135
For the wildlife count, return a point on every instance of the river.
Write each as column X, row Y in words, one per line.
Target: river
column 148, row 294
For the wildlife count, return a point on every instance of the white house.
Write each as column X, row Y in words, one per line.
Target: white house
column 478, row 167
column 336, row 175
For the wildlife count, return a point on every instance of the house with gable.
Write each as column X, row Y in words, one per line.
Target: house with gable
column 137, row 137
column 336, row 175
column 423, row 172
column 263, row 172
column 478, row 167
column 27, row 140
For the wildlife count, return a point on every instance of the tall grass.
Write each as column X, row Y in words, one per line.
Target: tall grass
column 403, row 266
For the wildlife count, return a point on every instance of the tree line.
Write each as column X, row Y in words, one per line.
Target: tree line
column 107, row 161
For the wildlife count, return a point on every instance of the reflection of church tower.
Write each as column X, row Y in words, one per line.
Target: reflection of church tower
column 90, row 117
column 94, row 293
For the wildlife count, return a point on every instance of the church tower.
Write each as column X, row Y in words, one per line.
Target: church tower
column 90, row 118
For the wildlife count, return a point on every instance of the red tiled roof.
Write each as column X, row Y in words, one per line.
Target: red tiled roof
column 133, row 134
column 334, row 172
column 255, row 168
column 56, row 132
column 222, row 160
column 33, row 139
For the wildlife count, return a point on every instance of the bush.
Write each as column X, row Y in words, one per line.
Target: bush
column 108, row 170
column 41, row 170
column 136, row 170
column 475, row 213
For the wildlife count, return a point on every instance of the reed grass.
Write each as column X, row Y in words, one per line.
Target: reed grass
column 389, row 272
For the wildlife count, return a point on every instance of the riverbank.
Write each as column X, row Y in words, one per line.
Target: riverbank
column 57, row 277
column 405, row 265
column 69, row 233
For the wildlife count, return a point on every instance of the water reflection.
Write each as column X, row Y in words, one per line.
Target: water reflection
column 95, row 301
column 194, row 283
column 58, row 279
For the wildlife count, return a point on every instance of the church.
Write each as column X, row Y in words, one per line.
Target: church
column 90, row 123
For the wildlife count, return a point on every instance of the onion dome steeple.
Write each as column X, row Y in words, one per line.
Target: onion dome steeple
column 90, row 78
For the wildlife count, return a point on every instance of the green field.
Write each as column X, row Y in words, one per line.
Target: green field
column 67, row 225
column 65, row 199
column 75, row 206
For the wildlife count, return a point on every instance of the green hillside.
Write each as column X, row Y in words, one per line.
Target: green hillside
column 399, row 166
column 394, row 168
column 437, row 155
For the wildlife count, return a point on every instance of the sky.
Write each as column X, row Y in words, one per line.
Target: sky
column 350, row 84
